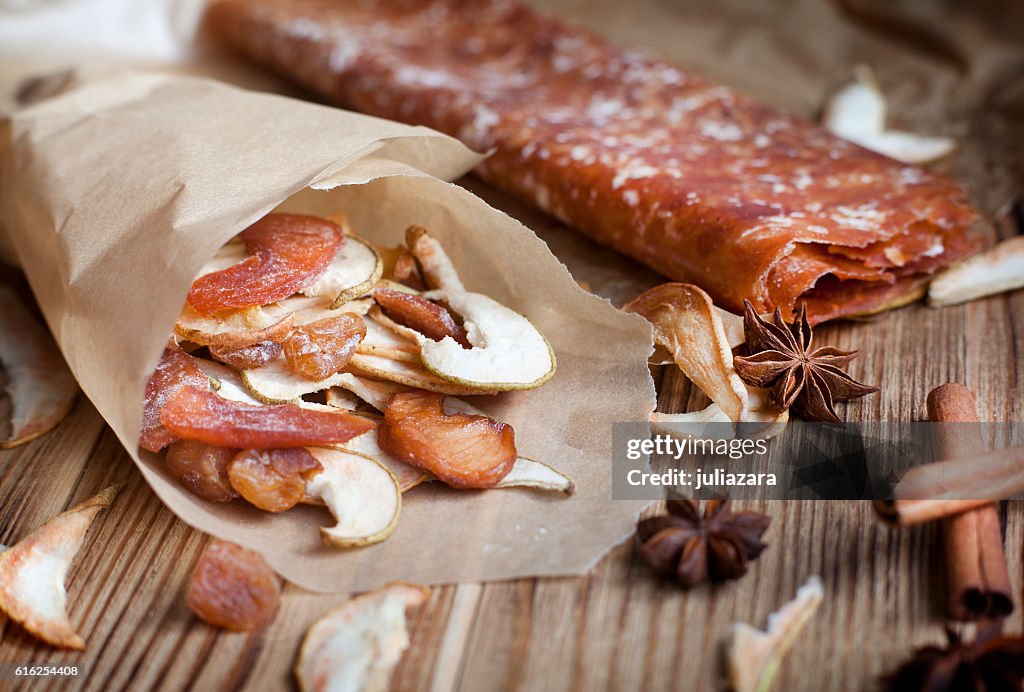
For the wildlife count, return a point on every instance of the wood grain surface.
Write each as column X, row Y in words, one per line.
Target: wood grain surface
column 618, row 628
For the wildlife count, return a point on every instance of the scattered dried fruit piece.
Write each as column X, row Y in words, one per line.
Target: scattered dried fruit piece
column 320, row 349
column 357, row 645
column 203, row 469
column 361, row 493
column 237, row 328
column 411, row 375
column 753, row 656
column 693, row 548
column 857, row 112
column 273, row 479
column 175, row 370
column 196, row 414
column 33, row 571
column 781, row 360
column 253, row 356
column 527, row 473
column 233, row 587
column 437, row 268
column 276, row 383
column 288, row 252
column 352, row 274
column 41, row 387
column 420, row 315
column 998, row 269
column 688, row 325
column 462, row 450
column 507, row 353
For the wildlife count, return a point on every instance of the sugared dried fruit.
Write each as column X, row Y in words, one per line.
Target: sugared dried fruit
column 272, row 479
column 197, row 414
column 418, row 313
column 175, row 370
column 233, row 587
column 319, row 349
column 288, row 253
column 406, row 270
column 464, row 451
column 203, row 469
column 247, row 357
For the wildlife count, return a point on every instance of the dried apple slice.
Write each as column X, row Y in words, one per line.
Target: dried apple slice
column 462, row 450
column 197, row 414
column 361, row 493
column 998, row 269
column 507, row 353
column 237, row 328
column 411, row 375
column 527, row 473
column 686, row 323
column 353, row 273
column 226, row 381
column 753, row 656
column 342, row 398
column 275, row 383
column 288, row 252
column 376, row 393
column 408, row 476
column 40, row 386
column 435, row 265
column 175, row 370
column 382, row 341
column 357, row 645
column 32, row 572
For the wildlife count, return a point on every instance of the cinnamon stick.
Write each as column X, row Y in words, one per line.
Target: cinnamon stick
column 978, row 583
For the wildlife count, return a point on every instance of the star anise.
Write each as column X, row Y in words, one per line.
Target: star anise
column 781, row 360
column 991, row 663
column 694, row 548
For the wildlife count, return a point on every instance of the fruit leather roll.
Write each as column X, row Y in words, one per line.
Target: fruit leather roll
column 688, row 177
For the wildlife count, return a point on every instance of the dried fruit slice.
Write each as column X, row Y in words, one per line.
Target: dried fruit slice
column 437, row 268
column 462, row 450
column 753, row 656
column 273, row 479
column 384, row 341
column 342, row 398
column 253, row 356
column 238, row 328
column 233, row 587
column 408, row 477
column 376, row 393
column 405, row 271
column 420, row 315
column 527, row 473
column 410, row 374
column 32, row 573
column 361, row 493
column 288, row 252
column 202, row 469
column 687, row 324
column 196, row 414
column 226, row 381
column 507, row 352
column 358, row 644
column 276, row 383
column 998, row 269
column 320, row 349
column 352, row 274
column 175, row 370
column 40, row 386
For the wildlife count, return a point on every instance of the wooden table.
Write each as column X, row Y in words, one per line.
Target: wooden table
column 617, row 628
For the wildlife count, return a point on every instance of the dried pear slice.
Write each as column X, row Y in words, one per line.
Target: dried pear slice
column 358, row 644
column 41, row 387
column 527, row 473
column 352, row 274
column 438, row 270
column 410, row 374
column 236, row 328
column 361, row 493
column 32, row 572
column 384, row 342
column 408, row 476
column 275, row 383
column 226, row 381
column 376, row 393
column 508, row 352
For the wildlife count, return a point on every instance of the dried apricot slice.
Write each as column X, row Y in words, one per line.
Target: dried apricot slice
column 416, row 312
column 247, row 357
column 175, row 370
column 288, row 252
column 202, row 415
column 319, row 349
column 233, row 587
column 203, row 469
column 463, row 450
column 273, row 479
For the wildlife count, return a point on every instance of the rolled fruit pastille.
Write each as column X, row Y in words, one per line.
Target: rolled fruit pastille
column 690, row 178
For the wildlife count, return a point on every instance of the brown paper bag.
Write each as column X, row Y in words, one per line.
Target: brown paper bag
column 116, row 190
